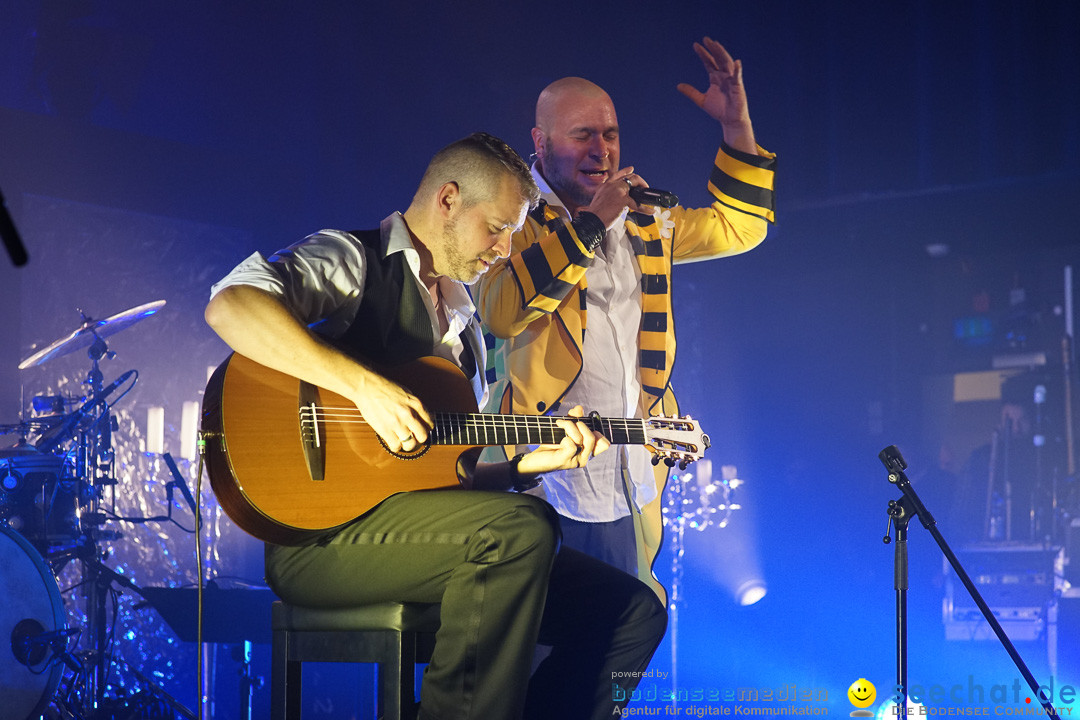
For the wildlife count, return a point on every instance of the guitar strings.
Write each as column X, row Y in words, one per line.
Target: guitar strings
column 347, row 415
column 450, row 427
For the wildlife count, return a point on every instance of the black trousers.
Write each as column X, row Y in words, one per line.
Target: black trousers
column 613, row 542
column 493, row 561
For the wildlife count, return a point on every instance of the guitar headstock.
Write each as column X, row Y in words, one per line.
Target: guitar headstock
column 675, row 440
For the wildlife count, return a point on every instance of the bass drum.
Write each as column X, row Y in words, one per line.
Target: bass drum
column 31, row 606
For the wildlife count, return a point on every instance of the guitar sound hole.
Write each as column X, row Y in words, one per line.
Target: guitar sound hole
column 407, row 454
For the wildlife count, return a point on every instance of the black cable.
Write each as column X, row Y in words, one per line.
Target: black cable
column 199, row 565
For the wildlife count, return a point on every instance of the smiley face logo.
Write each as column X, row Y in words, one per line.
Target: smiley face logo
column 861, row 693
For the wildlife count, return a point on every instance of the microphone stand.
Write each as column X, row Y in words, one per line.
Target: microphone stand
column 14, row 244
column 900, row 515
column 900, row 511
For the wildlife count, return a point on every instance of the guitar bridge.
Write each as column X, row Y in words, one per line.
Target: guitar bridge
column 312, row 431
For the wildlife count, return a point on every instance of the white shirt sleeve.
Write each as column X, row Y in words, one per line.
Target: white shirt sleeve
column 320, row 279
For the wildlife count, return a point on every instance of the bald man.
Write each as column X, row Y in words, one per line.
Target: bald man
column 581, row 310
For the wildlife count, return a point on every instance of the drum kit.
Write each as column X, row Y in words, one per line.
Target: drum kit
column 52, row 483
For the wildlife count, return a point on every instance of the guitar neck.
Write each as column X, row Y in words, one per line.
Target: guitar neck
column 492, row 429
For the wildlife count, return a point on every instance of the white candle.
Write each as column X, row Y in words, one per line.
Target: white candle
column 189, row 430
column 155, row 430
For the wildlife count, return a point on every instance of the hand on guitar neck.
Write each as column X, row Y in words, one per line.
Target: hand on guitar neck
column 574, row 450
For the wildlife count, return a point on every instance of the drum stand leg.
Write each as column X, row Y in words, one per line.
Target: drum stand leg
column 96, row 461
column 83, row 695
column 96, row 592
column 98, row 579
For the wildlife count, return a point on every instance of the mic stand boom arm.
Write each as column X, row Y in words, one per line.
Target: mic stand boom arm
column 900, row 511
column 10, row 236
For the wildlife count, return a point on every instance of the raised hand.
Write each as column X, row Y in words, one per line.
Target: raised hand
column 725, row 98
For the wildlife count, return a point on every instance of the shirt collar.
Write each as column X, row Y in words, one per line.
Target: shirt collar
column 396, row 235
column 397, row 238
column 546, row 193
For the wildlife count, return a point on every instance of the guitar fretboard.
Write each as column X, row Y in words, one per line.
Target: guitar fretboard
column 492, row 429
column 475, row 429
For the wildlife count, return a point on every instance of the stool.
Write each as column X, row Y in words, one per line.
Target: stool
column 394, row 635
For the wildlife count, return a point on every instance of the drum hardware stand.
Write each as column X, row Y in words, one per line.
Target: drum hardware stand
column 159, row 692
column 93, row 425
column 249, row 681
column 900, row 513
column 87, row 689
column 95, row 460
column 710, row 505
column 90, row 429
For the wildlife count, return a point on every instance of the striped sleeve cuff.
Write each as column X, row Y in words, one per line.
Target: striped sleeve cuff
column 744, row 181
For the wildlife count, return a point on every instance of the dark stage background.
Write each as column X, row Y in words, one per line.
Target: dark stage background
column 928, row 195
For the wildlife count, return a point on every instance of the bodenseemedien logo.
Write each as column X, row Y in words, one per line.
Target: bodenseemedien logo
column 861, row 694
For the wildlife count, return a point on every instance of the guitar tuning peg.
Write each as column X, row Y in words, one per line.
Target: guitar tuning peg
column 655, row 459
column 670, row 462
column 683, row 464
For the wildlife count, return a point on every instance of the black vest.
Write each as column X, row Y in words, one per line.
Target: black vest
column 392, row 326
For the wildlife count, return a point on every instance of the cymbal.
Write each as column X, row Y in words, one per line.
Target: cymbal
column 21, row 428
column 30, row 424
column 91, row 330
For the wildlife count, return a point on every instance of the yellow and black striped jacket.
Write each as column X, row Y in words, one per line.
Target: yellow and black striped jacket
column 536, row 301
column 534, row 305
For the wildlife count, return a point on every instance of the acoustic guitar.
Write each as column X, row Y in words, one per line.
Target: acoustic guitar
column 289, row 460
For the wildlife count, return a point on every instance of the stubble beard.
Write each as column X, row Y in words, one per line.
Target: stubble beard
column 567, row 187
column 458, row 267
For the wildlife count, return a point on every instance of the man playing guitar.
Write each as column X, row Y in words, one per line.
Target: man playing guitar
column 337, row 306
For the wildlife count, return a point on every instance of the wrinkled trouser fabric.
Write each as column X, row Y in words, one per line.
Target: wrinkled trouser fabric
column 493, row 561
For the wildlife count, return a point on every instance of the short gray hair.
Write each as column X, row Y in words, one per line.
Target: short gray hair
column 477, row 164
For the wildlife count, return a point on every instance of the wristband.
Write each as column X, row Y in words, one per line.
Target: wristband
column 518, row 483
column 590, row 230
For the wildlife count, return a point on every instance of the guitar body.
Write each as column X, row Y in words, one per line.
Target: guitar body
column 261, row 464
column 289, row 461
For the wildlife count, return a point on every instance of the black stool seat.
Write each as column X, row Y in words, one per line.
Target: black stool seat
column 394, row 635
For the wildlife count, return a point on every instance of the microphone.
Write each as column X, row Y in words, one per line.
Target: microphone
column 111, row 387
column 652, row 196
column 30, row 641
column 49, row 444
column 178, row 482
